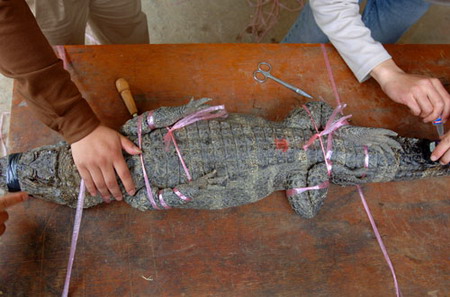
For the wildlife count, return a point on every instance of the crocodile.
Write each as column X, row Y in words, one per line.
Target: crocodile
column 233, row 161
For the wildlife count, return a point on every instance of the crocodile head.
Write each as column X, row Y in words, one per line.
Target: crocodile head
column 414, row 161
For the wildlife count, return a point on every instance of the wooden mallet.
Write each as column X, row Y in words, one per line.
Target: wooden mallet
column 124, row 89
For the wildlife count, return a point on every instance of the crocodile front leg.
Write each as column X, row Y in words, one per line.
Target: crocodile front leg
column 319, row 113
column 164, row 117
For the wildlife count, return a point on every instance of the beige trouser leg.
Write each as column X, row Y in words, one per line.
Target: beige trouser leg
column 118, row 21
column 61, row 21
column 113, row 21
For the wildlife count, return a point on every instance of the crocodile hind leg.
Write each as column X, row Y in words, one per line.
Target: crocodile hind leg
column 168, row 197
column 307, row 204
column 213, row 191
column 207, row 192
column 142, row 202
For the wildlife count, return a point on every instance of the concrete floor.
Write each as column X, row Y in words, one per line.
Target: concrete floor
column 205, row 21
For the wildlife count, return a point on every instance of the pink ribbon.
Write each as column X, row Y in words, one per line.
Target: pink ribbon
column 366, row 165
column 330, row 73
column 380, row 241
column 61, row 52
column 76, row 231
column 265, row 17
column 179, row 194
column 366, row 158
column 374, row 226
column 204, row 114
column 161, row 200
column 151, row 120
column 177, row 149
column 330, row 126
column 144, row 172
column 329, row 129
column 292, row 192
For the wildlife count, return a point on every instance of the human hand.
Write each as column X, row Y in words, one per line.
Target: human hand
column 442, row 151
column 98, row 155
column 6, row 201
column 426, row 97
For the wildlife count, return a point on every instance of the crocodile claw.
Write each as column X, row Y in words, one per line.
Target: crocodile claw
column 371, row 137
column 195, row 105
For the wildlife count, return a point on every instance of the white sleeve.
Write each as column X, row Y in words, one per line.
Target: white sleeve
column 342, row 23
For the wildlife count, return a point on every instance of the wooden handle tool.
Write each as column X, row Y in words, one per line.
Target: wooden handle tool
column 124, row 89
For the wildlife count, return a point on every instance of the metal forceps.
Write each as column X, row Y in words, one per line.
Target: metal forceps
column 266, row 74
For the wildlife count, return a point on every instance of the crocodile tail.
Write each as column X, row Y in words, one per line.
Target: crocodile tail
column 414, row 160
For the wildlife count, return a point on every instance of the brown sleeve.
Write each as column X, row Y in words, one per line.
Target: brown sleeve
column 26, row 56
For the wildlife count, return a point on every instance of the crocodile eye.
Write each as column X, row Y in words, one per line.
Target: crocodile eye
column 28, row 173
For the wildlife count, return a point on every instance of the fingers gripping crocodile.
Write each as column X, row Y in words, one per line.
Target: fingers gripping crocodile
column 235, row 161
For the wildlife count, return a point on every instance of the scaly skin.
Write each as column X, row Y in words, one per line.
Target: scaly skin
column 237, row 160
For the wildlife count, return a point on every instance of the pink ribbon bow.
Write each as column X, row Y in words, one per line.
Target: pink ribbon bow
column 330, row 127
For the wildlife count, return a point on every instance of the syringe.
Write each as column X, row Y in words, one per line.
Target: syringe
column 439, row 126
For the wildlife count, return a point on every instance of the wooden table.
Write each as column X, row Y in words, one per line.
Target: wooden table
column 262, row 249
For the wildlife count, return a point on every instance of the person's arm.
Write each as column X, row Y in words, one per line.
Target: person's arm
column 426, row 97
column 342, row 23
column 26, row 56
column 7, row 201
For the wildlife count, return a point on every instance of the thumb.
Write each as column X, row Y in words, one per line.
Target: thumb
column 129, row 146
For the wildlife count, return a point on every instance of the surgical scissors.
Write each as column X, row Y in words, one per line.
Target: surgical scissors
column 266, row 74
